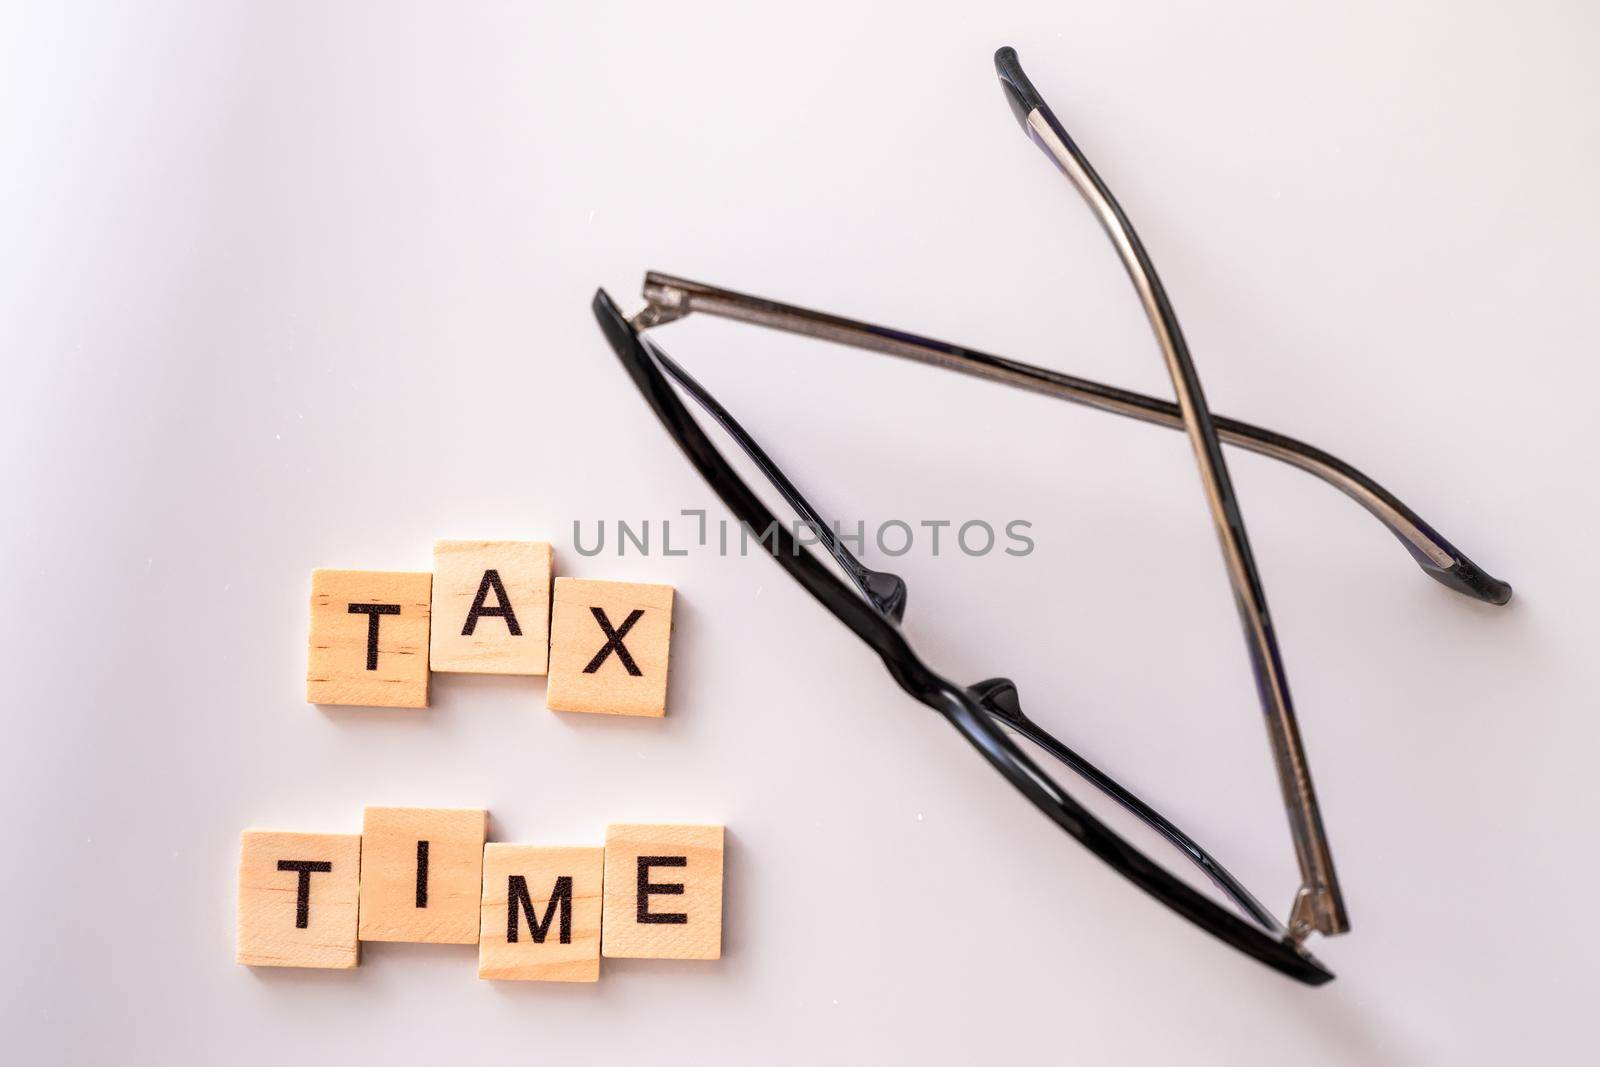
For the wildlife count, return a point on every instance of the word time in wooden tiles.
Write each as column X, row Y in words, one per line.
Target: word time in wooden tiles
column 536, row 912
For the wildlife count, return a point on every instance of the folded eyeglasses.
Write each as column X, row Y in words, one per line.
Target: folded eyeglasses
column 989, row 713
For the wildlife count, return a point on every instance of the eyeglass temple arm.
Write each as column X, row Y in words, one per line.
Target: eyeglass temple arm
column 1319, row 904
column 670, row 298
column 887, row 592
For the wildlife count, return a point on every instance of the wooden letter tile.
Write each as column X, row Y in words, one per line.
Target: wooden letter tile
column 663, row 892
column 422, row 875
column 541, row 913
column 491, row 607
column 608, row 647
column 369, row 638
column 298, row 899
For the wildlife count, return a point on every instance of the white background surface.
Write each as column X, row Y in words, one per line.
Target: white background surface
column 297, row 285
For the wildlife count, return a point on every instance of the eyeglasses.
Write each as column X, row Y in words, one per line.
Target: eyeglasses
column 989, row 713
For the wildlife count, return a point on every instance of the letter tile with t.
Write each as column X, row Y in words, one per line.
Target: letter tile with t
column 609, row 643
column 541, row 913
column 369, row 638
column 423, row 874
column 298, row 898
column 663, row 892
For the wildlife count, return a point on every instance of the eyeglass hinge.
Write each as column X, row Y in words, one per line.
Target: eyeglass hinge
column 1311, row 914
column 665, row 304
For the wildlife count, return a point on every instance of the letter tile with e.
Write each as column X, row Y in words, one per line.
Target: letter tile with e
column 663, row 892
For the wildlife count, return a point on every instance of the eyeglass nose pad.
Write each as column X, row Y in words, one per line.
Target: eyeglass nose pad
column 999, row 697
column 888, row 593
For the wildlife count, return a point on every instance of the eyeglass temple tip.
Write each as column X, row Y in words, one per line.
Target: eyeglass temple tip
column 1467, row 578
column 1020, row 93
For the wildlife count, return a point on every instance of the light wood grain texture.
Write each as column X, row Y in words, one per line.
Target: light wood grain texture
column 545, row 949
column 345, row 665
column 500, row 592
column 663, row 892
column 278, row 926
column 430, row 894
column 591, row 670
